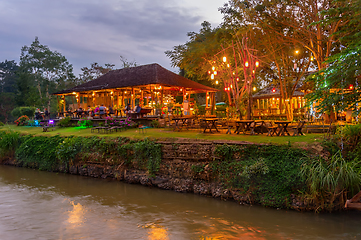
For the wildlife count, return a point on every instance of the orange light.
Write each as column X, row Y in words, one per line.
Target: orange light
column 224, row 59
column 225, row 89
column 237, row 79
column 215, row 73
column 350, row 87
column 257, row 64
column 212, row 76
column 228, row 89
column 209, row 72
column 273, row 90
column 216, row 81
column 246, row 64
column 231, row 86
column 213, row 68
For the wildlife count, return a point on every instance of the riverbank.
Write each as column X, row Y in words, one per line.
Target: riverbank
column 243, row 172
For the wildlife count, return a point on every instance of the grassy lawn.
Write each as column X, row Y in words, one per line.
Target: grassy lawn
column 159, row 133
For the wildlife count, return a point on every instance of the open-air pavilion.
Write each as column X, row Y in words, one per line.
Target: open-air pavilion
column 148, row 85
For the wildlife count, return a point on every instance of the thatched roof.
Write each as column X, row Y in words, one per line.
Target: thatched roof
column 139, row 76
column 267, row 93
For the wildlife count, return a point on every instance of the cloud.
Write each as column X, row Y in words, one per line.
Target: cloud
column 87, row 31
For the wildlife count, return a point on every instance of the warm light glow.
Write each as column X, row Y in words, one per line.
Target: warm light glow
column 237, row 79
column 181, row 89
column 350, row 87
column 74, row 92
column 209, row 72
column 224, row 59
column 246, row 64
column 216, row 81
column 111, row 92
column 273, row 90
column 215, row 73
column 227, row 65
column 297, row 51
column 228, row 89
column 253, row 71
column 231, row 86
column 225, row 89
column 125, row 92
column 312, row 58
column 213, row 68
column 212, row 76
column 257, row 64
column 254, row 89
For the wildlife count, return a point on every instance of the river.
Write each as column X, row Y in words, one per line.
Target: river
column 43, row 205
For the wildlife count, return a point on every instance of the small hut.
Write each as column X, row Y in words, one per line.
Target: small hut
column 269, row 102
column 148, row 85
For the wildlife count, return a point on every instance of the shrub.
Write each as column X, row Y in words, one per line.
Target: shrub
column 330, row 181
column 1, row 124
column 28, row 111
column 9, row 141
column 65, row 122
column 22, row 121
column 85, row 123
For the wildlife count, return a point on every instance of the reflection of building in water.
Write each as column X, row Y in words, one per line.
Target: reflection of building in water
column 76, row 215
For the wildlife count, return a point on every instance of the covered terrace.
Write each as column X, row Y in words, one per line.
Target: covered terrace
column 150, row 86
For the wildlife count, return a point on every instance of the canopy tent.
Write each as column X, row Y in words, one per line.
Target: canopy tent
column 150, row 84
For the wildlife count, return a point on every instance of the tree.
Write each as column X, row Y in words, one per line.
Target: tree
column 8, row 80
column 94, row 72
column 339, row 85
column 49, row 70
column 126, row 63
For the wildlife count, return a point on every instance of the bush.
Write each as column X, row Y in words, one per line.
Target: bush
column 27, row 111
column 9, row 141
column 65, row 122
column 85, row 123
column 22, row 121
column 1, row 124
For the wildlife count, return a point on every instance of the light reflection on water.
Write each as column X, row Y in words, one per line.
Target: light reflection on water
column 42, row 205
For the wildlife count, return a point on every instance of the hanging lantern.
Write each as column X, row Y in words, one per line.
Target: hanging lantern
column 246, row 64
column 350, row 87
column 215, row 73
column 212, row 76
column 257, row 64
column 273, row 90
column 216, row 81
column 224, row 59
column 213, row 68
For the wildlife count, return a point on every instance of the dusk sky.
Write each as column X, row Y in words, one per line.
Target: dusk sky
column 87, row 31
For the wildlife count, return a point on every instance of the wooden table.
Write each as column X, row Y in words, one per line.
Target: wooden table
column 210, row 123
column 282, row 127
column 243, row 125
column 259, row 123
column 178, row 119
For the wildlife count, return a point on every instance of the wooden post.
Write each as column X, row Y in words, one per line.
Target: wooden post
column 142, row 97
column 132, row 98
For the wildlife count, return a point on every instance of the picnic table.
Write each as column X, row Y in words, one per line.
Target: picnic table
column 177, row 120
column 210, row 123
column 243, row 125
column 282, row 127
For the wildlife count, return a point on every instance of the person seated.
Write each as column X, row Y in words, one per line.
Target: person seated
column 110, row 109
column 38, row 114
column 46, row 113
column 90, row 112
column 79, row 112
column 102, row 111
column 127, row 109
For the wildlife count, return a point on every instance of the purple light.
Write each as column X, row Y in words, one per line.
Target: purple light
column 51, row 122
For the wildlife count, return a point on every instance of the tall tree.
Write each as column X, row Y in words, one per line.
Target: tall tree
column 94, row 72
column 49, row 70
column 8, row 80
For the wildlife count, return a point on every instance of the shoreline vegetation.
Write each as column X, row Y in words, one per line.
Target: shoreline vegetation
column 303, row 177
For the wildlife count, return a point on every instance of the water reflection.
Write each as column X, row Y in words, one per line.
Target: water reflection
column 46, row 205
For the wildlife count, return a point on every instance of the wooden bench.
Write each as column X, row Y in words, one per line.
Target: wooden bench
column 270, row 128
column 298, row 129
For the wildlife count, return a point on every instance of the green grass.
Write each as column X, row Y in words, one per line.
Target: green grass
column 159, row 133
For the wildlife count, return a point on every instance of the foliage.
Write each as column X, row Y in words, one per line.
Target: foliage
column 22, row 121
column 42, row 72
column 67, row 150
column 329, row 182
column 155, row 123
column 148, row 154
column 95, row 71
column 9, row 141
column 86, row 123
column 126, row 123
column 64, row 122
column 267, row 174
column 1, row 124
column 39, row 152
column 28, row 111
column 8, row 79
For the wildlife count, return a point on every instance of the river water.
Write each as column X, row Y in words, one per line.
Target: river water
column 43, row 205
